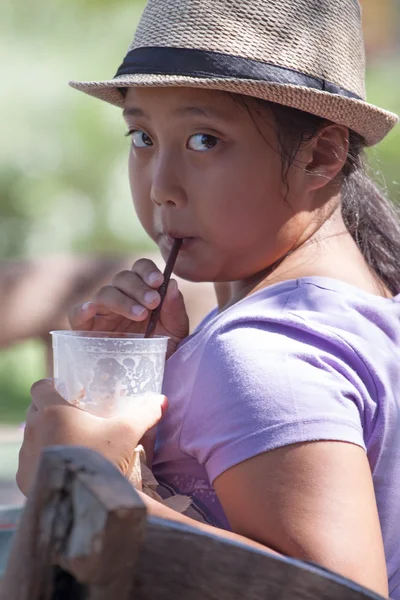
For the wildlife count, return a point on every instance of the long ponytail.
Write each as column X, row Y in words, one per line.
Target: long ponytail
column 372, row 220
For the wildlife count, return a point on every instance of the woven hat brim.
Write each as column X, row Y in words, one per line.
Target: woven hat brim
column 371, row 122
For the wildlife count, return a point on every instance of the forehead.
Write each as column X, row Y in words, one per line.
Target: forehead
column 178, row 99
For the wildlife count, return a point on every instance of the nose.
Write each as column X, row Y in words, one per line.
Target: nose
column 166, row 184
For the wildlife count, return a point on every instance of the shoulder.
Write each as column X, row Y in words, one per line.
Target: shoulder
column 329, row 309
column 274, row 371
column 288, row 333
column 314, row 321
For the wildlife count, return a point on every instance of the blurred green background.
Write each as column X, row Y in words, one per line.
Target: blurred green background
column 63, row 175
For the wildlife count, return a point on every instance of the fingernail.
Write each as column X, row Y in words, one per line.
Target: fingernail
column 149, row 297
column 86, row 306
column 153, row 277
column 137, row 310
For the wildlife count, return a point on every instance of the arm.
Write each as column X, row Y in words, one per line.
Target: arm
column 156, row 509
column 312, row 501
column 281, row 437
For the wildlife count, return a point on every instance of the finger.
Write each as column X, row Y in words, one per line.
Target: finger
column 44, row 395
column 174, row 315
column 25, row 473
column 32, row 410
column 31, row 414
column 132, row 285
column 172, row 297
column 148, row 272
column 144, row 412
column 111, row 299
column 81, row 316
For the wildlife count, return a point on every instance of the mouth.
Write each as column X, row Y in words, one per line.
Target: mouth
column 169, row 238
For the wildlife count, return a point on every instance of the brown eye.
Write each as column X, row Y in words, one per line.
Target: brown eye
column 140, row 139
column 201, row 142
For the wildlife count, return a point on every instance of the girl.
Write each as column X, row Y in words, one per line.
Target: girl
column 248, row 122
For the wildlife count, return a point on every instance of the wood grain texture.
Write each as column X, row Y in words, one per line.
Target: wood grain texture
column 82, row 515
column 84, row 536
column 180, row 562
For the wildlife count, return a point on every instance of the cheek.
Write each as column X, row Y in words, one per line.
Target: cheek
column 140, row 192
column 246, row 199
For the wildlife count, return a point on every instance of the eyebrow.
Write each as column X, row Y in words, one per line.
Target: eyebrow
column 196, row 111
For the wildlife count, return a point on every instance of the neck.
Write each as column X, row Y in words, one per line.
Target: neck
column 311, row 256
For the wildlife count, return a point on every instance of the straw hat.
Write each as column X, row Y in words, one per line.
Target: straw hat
column 307, row 54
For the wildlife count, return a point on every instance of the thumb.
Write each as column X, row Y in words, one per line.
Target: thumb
column 174, row 315
column 45, row 395
column 143, row 413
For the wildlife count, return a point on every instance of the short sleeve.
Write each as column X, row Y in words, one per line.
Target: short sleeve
column 263, row 386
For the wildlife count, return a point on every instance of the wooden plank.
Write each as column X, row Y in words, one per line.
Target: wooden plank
column 180, row 562
column 84, row 516
column 84, row 536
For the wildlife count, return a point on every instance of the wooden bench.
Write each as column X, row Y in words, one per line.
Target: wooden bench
column 84, row 535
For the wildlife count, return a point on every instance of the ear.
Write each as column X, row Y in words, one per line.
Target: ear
column 326, row 155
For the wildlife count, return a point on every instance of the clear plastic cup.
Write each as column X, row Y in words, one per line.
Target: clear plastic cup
column 101, row 372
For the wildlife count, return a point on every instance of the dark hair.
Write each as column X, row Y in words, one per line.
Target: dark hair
column 371, row 219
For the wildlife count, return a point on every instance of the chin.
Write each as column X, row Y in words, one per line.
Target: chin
column 193, row 274
column 196, row 270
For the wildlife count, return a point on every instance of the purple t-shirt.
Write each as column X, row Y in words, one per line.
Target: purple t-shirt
column 303, row 360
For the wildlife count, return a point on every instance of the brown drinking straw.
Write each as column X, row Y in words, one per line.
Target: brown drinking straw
column 162, row 290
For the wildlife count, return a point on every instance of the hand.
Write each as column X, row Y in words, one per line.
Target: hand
column 125, row 305
column 51, row 421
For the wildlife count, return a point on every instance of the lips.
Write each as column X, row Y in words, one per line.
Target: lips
column 170, row 237
column 174, row 235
